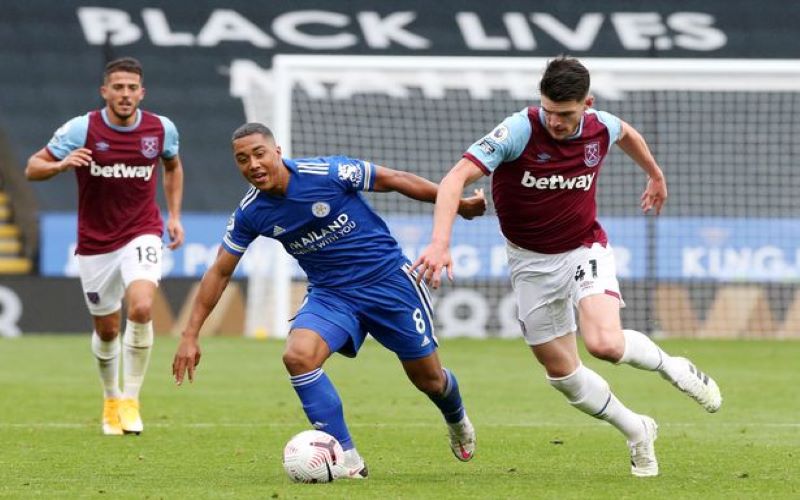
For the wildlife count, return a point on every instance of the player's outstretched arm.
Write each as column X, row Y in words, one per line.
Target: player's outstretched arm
column 213, row 284
column 42, row 166
column 173, row 192
column 634, row 145
column 420, row 188
column 436, row 255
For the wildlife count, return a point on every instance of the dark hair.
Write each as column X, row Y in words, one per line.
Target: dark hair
column 250, row 129
column 126, row 64
column 565, row 79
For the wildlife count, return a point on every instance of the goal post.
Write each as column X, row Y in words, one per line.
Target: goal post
column 724, row 131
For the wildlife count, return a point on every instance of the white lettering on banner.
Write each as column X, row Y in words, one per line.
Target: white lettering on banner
column 622, row 259
column 466, row 261
column 160, row 33
column 226, row 25
column 464, row 313
column 498, row 260
column 636, row 30
column 475, row 36
column 379, row 33
column 114, row 26
column 581, row 38
column 766, row 262
column 121, row 170
column 10, row 312
column 286, row 27
column 698, row 31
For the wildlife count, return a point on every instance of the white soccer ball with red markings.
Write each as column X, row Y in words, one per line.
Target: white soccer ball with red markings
column 313, row 457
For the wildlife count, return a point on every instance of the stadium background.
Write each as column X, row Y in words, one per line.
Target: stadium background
column 729, row 157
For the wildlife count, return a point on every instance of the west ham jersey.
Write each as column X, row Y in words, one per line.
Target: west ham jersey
column 117, row 191
column 323, row 221
column 544, row 189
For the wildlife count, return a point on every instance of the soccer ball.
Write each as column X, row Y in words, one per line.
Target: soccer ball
column 313, row 457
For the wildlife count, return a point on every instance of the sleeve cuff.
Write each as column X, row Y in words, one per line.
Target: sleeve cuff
column 474, row 159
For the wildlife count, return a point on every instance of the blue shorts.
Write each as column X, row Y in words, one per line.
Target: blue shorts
column 395, row 310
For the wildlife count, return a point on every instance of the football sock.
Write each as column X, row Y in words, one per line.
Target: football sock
column 449, row 401
column 590, row 393
column 137, row 342
column 322, row 405
column 107, row 354
column 641, row 352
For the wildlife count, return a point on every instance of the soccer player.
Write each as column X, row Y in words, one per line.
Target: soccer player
column 359, row 279
column 114, row 153
column 544, row 162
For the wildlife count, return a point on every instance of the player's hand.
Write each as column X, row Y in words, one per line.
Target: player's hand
column 655, row 195
column 431, row 263
column 186, row 359
column 175, row 231
column 80, row 157
column 472, row 206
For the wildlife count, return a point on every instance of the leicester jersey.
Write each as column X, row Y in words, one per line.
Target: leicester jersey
column 323, row 221
column 544, row 189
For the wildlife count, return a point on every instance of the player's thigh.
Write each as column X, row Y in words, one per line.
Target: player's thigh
column 101, row 280
column 141, row 260
column 330, row 316
column 397, row 313
column 597, row 294
column 542, row 286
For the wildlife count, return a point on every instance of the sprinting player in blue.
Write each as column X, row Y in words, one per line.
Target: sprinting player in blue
column 359, row 279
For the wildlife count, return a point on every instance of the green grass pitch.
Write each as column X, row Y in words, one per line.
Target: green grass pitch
column 222, row 437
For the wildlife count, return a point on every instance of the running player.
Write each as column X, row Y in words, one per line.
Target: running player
column 115, row 153
column 544, row 162
column 359, row 279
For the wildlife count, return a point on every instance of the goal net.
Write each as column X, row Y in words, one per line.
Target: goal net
column 723, row 259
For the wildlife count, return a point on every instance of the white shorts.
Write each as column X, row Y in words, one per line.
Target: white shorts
column 105, row 276
column 548, row 287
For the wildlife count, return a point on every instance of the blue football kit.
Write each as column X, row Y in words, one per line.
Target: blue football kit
column 358, row 276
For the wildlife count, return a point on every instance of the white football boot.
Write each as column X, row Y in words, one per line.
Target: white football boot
column 462, row 439
column 353, row 467
column 691, row 381
column 643, row 453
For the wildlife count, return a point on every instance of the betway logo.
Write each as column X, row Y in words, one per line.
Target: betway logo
column 558, row 182
column 120, row 170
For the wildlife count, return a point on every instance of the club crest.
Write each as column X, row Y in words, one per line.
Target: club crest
column 591, row 154
column 150, row 147
column 320, row 209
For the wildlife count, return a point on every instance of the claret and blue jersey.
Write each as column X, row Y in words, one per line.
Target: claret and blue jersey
column 323, row 221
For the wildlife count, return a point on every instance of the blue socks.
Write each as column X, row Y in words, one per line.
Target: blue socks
column 450, row 401
column 323, row 406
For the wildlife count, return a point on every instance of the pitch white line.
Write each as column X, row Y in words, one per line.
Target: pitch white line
column 399, row 425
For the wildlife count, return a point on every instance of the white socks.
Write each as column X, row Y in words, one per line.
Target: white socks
column 589, row 392
column 641, row 352
column 107, row 354
column 137, row 343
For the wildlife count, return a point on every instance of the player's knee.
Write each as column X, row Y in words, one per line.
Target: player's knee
column 299, row 361
column 605, row 345
column 431, row 385
column 140, row 311
column 107, row 333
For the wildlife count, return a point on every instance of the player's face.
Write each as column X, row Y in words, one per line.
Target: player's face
column 259, row 161
column 563, row 118
column 122, row 92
